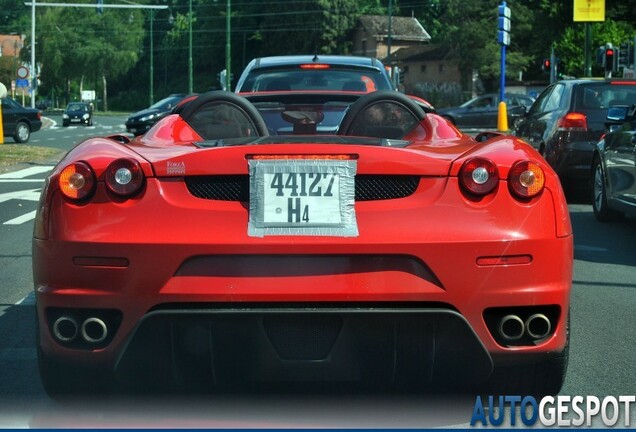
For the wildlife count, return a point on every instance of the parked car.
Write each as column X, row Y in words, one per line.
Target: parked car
column 614, row 166
column 567, row 120
column 314, row 73
column 139, row 122
column 19, row 122
column 482, row 112
column 396, row 252
column 78, row 112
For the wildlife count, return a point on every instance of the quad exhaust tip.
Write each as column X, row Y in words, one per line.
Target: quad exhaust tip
column 94, row 330
column 65, row 328
column 511, row 327
column 538, row 326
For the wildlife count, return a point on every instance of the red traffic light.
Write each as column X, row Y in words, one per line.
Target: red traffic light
column 546, row 63
column 609, row 52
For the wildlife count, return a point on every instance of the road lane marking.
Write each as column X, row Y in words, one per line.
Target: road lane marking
column 26, row 195
column 21, row 219
column 26, row 172
column 28, row 299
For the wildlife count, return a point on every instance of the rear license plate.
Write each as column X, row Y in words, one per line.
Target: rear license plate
column 302, row 197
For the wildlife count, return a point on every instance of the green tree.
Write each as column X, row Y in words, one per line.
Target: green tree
column 100, row 48
column 7, row 70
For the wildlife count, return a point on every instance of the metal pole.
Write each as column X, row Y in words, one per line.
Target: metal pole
column 33, row 71
column 228, row 47
column 588, row 50
column 190, row 79
column 553, row 66
column 502, row 75
column 388, row 43
column 152, row 59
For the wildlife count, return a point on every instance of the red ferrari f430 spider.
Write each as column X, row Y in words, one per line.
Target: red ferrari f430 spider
column 307, row 238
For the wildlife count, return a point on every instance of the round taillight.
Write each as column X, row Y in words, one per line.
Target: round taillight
column 526, row 179
column 479, row 176
column 124, row 177
column 77, row 181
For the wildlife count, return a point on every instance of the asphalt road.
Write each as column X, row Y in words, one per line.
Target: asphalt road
column 57, row 136
column 602, row 357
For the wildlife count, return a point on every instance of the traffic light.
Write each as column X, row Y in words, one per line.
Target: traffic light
column 623, row 55
column 626, row 55
column 545, row 65
column 609, row 59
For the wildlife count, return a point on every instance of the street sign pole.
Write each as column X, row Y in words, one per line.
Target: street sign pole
column 553, row 66
column 503, row 36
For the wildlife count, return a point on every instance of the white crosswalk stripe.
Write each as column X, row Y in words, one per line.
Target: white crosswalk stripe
column 32, row 195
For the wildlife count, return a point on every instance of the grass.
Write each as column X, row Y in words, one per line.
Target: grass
column 14, row 154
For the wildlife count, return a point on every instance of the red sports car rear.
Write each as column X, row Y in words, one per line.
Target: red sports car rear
column 210, row 254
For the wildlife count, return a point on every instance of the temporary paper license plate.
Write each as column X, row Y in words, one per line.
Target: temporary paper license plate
column 302, row 197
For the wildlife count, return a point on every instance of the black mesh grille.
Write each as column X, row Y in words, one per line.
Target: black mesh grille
column 236, row 187
column 384, row 187
column 222, row 187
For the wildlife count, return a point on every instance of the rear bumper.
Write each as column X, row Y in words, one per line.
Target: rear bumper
column 371, row 295
column 572, row 159
column 430, row 348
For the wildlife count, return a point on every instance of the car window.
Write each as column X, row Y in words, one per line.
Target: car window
column 366, row 80
column 554, row 100
column 524, row 101
column 541, row 100
column 10, row 104
column 549, row 100
column 166, row 104
column 604, row 95
column 484, row 102
column 477, row 102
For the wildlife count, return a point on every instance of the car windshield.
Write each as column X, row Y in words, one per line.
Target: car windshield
column 361, row 80
column 77, row 107
column 166, row 104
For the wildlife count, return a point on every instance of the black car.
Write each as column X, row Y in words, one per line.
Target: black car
column 567, row 120
column 139, row 122
column 482, row 111
column 18, row 122
column 614, row 167
column 78, row 112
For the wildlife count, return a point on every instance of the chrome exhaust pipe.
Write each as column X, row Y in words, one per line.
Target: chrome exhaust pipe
column 538, row 326
column 511, row 327
column 65, row 329
column 94, row 330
